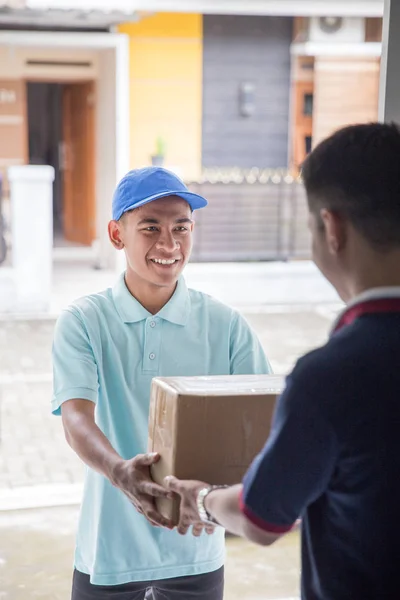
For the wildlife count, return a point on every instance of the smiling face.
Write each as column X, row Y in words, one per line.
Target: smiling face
column 157, row 239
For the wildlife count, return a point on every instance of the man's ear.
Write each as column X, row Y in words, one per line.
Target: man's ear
column 335, row 230
column 115, row 234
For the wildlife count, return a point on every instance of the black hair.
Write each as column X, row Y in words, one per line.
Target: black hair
column 356, row 173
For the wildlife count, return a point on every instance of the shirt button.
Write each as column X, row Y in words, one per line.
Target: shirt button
column 152, row 356
column 152, row 323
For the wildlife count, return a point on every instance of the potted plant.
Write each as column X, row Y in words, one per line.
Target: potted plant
column 157, row 159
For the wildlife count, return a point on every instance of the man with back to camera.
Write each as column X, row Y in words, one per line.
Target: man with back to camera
column 333, row 455
column 107, row 348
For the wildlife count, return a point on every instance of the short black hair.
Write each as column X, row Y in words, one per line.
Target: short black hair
column 356, row 172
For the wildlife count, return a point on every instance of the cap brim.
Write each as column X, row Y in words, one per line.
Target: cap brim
column 195, row 201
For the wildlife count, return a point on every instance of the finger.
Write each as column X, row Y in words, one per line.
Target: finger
column 197, row 529
column 153, row 515
column 134, row 501
column 184, row 525
column 172, row 483
column 147, row 516
column 146, row 460
column 153, row 523
column 210, row 529
column 141, row 511
column 157, row 519
column 183, row 529
column 153, row 489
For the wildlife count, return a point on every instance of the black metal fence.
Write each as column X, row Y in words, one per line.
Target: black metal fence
column 260, row 217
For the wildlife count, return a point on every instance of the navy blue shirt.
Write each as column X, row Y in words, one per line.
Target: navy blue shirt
column 333, row 458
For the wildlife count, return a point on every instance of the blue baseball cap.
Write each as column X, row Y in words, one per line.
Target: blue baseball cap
column 142, row 186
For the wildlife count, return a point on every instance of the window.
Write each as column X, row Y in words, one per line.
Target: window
column 308, row 104
column 308, row 144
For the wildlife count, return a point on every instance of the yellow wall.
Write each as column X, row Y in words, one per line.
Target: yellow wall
column 166, row 89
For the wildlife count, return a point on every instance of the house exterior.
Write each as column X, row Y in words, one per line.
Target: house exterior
column 248, row 91
column 219, row 84
column 64, row 101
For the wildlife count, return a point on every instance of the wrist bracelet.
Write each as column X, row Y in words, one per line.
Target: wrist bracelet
column 205, row 516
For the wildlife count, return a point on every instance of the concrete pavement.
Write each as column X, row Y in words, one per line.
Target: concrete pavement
column 36, row 551
column 242, row 285
column 248, row 286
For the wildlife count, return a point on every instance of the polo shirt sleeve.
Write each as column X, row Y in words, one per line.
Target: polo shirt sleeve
column 297, row 462
column 75, row 373
column 246, row 354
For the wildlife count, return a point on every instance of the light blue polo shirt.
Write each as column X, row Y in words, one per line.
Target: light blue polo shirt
column 107, row 348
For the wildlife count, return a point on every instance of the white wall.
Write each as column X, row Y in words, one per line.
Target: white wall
column 13, row 63
column 26, row 286
column 112, row 144
column 109, row 58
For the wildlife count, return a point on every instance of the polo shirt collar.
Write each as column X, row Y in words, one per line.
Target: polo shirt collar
column 383, row 299
column 130, row 310
column 177, row 310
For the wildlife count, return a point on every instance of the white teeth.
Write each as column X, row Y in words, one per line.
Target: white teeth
column 163, row 261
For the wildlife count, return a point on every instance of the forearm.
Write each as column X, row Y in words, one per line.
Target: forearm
column 131, row 476
column 92, row 446
column 224, row 506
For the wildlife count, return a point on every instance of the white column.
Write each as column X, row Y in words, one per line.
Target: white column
column 123, row 132
column 113, row 142
column 389, row 93
column 31, row 195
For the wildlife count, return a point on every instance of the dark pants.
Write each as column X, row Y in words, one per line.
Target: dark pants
column 209, row 586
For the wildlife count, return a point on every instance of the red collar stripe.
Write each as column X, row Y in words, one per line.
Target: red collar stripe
column 381, row 305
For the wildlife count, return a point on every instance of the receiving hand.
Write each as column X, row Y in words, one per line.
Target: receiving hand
column 189, row 514
column 133, row 478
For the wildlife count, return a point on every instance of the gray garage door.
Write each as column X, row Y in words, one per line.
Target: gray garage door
column 240, row 50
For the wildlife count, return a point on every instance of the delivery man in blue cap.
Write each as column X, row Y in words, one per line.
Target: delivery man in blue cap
column 107, row 349
column 333, row 454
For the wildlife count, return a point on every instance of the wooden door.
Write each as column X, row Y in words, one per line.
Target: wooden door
column 79, row 163
column 303, row 121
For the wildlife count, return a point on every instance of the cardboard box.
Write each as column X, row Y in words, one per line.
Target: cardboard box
column 209, row 428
